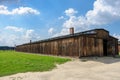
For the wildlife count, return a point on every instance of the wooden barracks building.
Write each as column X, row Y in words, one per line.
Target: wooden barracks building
column 96, row 42
column 119, row 46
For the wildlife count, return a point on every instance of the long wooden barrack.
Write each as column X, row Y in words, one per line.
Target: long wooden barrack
column 96, row 42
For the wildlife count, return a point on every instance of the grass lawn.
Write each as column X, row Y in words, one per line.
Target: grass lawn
column 12, row 62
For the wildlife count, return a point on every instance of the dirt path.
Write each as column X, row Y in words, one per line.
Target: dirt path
column 106, row 68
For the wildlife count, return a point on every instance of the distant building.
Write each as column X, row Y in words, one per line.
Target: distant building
column 119, row 46
column 6, row 48
column 96, row 42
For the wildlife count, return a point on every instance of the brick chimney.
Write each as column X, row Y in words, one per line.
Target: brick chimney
column 71, row 30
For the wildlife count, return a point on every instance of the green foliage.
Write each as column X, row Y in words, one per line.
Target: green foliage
column 12, row 62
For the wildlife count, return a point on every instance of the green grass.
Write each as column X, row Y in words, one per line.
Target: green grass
column 12, row 62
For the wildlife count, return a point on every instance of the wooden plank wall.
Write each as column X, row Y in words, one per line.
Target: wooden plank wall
column 75, row 46
column 112, row 47
column 91, row 47
column 119, row 48
column 102, row 34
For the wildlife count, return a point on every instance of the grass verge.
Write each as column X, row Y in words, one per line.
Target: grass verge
column 12, row 62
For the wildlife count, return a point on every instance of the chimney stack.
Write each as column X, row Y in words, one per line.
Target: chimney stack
column 71, row 30
column 30, row 41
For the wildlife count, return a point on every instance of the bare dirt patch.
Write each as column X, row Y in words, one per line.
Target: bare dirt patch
column 104, row 68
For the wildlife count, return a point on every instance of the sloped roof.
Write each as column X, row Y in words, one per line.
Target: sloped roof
column 88, row 32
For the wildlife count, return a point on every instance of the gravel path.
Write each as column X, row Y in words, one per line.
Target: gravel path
column 105, row 68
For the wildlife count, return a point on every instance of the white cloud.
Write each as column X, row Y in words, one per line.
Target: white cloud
column 103, row 12
column 9, row 39
column 1, row 1
column 3, row 10
column 61, row 17
column 22, row 36
column 19, row 11
column 13, row 28
column 76, row 22
column 51, row 30
column 28, row 34
column 70, row 12
column 24, row 10
column 117, row 36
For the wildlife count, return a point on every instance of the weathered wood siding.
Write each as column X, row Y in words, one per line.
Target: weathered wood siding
column 102, row 34
column 84, row 45
column 119, row 47
column 75, row 46
column 112, row 46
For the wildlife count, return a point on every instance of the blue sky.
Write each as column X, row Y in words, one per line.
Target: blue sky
column 25, row 20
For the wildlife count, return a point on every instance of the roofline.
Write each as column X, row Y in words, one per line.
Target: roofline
column 96, row 29
column 69, row 36
column 56, row 38
column 113, row 37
